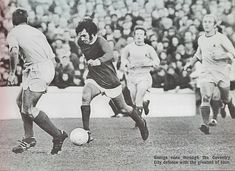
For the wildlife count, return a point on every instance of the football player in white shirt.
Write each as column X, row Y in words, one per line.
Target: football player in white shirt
column 32, row 46
column 139, row 59
column 214, row 51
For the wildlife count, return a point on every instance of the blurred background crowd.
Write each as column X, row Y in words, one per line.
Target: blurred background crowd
column 173, row 27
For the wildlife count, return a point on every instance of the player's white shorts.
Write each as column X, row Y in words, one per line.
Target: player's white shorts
column 38, row 76
column 112, row 93
column 139, row 78
column 220, row 79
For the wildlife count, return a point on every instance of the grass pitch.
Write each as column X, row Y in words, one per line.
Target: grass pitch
column 173, row 144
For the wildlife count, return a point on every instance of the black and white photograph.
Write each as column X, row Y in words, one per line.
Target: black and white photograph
column 129, row 85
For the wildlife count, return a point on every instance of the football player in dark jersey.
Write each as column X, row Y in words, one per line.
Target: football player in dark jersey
column 102, row 77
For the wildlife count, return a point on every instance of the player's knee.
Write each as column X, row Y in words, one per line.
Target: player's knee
column 86, row 97
column 216, row 97
column 31, row 112
column 206, row 100
column 226, row 100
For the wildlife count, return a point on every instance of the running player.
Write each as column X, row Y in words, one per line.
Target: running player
column 217, row 105
column 102, row 77
column 139, row 58
column 38, row 58
column 214, row 50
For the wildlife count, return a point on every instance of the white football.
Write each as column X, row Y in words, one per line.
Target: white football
column 79, row 136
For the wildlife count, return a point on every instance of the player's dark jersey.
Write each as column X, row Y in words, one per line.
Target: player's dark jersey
column 105, row 74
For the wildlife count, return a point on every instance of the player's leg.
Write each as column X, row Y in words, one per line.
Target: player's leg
column 207, row 89
column 133, row 90
column 141, row 123
column 30, row 100
column 139, row 100
column 114, row 108
column 146, row 106
column 216, row 104
column 227, row 99
column 142, row 87
column 198, row 100
column 140, row 93
column 27, row 121
column 127, row 97
column 88, row 93
column 28, row 140
column 132, row 86
column 232, row 88
column 39, row 117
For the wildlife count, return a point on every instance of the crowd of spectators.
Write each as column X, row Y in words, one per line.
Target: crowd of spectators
column 173, row 27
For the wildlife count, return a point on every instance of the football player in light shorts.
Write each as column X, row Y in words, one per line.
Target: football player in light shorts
column 139, row 59
column 38, row 73
column 216, row 104
column 214, row 51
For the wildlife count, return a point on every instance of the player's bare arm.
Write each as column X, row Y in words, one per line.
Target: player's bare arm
column 14, row 53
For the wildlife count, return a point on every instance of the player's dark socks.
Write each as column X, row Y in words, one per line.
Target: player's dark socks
column 215, row 105
column 141, row 123
column 28, row 125
column 86, row 111
column 205, row 112
column 136, row 117
column 146, row 107
column 222, row 111
column 139, row 110
column 127, row 96
column 231, row 109
column 114, row 108
column 45, row 123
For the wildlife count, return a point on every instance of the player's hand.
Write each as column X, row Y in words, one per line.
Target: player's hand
column 95, row 62
column 11, row 79
column 187, row 67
